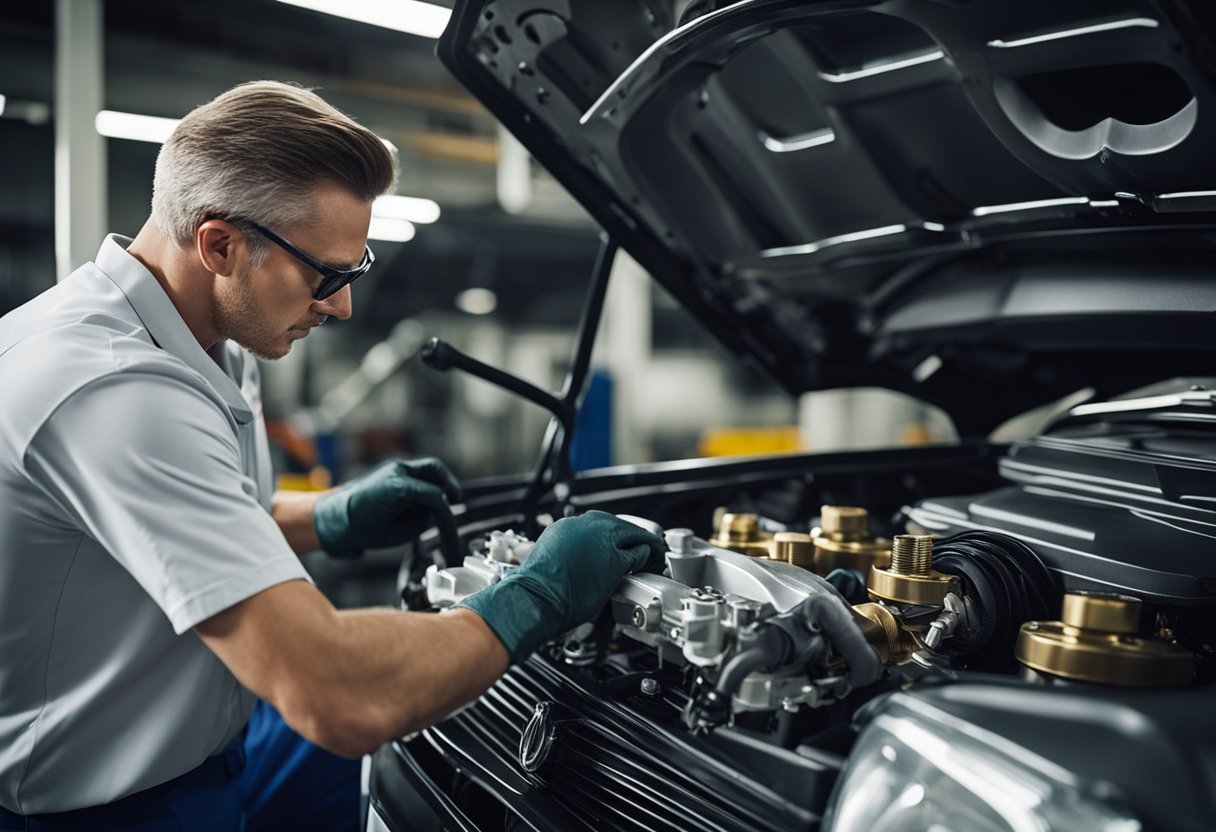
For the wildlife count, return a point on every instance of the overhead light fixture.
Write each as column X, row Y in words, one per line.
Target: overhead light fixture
column 412, row 208
column 412, row 16
column 3, row 101
column 477, row 301
column 392, row 230
column 115, row 125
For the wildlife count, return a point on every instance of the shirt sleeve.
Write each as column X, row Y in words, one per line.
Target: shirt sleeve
column 151, row 469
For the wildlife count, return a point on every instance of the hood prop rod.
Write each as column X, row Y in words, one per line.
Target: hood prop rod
column 553, row 468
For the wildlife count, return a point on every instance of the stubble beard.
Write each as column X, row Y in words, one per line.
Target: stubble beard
column 235, row 317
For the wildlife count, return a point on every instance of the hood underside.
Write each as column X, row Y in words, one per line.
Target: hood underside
column 988, row 205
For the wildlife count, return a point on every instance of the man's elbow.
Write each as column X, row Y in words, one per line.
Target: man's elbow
column 346, row 728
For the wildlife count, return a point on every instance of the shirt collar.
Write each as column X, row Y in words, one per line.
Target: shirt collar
column 163, row 322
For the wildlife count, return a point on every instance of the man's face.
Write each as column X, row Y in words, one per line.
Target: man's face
column 267, row 308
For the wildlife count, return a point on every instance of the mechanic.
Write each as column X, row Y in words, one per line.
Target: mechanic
column 150, row 589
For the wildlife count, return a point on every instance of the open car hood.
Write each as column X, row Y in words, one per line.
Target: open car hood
column 988, row 205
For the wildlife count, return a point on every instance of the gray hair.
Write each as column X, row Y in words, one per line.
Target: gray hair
column 254, row 154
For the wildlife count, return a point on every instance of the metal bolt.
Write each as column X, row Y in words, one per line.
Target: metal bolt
column 844, row 523
column 650, row 686
column 639, row 617
column 678, row 540
column 912, row 554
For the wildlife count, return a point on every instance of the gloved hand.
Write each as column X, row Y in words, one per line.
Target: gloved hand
column 391, row 504
column 567, row 578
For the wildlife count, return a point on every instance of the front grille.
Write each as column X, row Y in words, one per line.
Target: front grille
column 611, row 767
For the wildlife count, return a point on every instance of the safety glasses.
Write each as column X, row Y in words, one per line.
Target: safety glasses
column 332, row 279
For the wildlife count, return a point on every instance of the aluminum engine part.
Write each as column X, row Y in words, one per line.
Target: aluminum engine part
column 501, row 552
column 712, row 595
column 693, row 616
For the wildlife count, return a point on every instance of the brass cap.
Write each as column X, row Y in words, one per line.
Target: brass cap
column 1102, row 612
column 741, row 533
column 740, row 527
column 844, row 522
column 1096, row 642
column 844, row 542
column 793, row 547
column 1052, row 647
column 910, row 579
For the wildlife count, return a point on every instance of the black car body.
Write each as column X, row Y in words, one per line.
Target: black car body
column 990, row 206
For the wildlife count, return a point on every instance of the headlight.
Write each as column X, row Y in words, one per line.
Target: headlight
column 916, row 768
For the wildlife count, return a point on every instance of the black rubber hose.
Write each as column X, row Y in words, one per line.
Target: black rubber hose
column 845, row 636
column 1009, row 583
column 769, row 648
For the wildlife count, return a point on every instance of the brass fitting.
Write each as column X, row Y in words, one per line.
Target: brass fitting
column 911, row 578
column 741, row 533
column 881, row 629
column 793, row 547
column 844, row 541
column 1097, row 641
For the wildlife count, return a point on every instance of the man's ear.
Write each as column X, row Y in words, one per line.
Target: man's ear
column 220, row 246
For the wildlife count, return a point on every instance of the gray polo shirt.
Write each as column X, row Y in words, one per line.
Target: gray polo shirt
column 135, row 489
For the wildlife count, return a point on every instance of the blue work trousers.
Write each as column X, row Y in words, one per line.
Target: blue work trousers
column 273, row 779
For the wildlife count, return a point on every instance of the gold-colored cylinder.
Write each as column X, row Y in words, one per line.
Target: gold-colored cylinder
column 844, row 522
column 911, row 579
column 740, row 532
column 882, row 631
column 1096, row 642
column 1102, row 612
column 912, row 554
column 844, row 541
column 793, row 547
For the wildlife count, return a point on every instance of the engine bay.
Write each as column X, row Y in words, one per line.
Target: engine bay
column 761, row 621
column 742, row 675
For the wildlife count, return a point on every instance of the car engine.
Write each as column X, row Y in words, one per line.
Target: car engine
column 738, row 675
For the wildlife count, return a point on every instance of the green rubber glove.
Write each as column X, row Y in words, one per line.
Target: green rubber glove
column 389, row 505
column 570, row 574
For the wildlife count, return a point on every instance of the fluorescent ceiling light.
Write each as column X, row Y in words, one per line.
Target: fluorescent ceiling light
column 392, row 216
column 115, row 125
column 393, row 230
column 477, row 301
column 410, row 16
column 410, row 208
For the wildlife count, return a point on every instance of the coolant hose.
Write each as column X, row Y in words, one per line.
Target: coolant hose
column 846, row 638
column 775, row 643
column 768, row 649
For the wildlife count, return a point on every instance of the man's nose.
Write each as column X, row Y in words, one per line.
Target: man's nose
column 339, row 304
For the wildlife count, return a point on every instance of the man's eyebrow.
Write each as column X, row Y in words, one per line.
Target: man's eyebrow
column 343, row 266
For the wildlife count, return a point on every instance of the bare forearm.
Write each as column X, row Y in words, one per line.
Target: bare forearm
column 413, row 669
column 350, row 680
column 292, row 510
